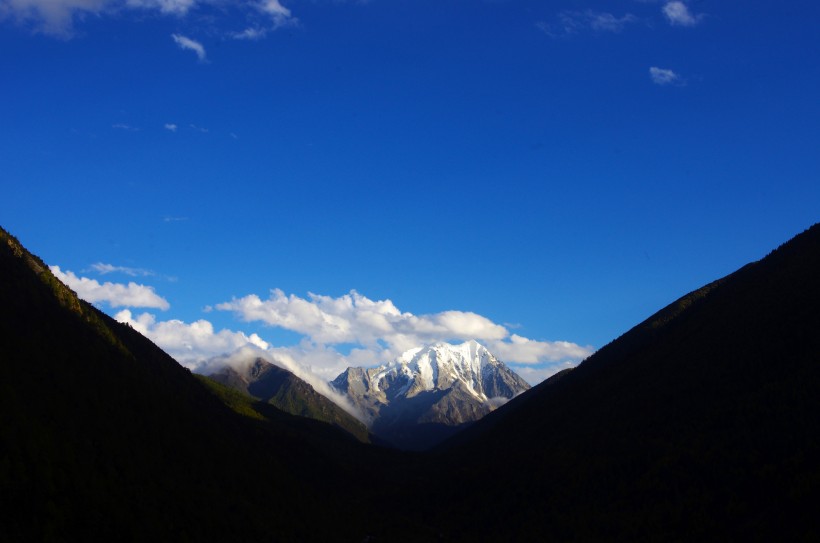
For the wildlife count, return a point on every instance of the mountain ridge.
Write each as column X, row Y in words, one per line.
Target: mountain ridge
column 281, row 388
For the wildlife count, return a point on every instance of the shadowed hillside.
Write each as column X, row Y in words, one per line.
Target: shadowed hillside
column 702, row 422
column 103, row 434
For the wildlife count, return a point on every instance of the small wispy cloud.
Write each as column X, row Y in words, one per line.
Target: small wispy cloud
column 170, row 127
column 608, row 22
column 173, row 7
column 198, row 128
column 273, row 16
column 126, row 127
column 662, row 76
column 174, row 219
column 105, row 269
column 678, row 14
column 187, row 43
column 250, row 33
column 573, row 22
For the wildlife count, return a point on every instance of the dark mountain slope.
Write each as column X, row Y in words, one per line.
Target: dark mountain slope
column 102, row 434
column 703, row 422
column 282, row 389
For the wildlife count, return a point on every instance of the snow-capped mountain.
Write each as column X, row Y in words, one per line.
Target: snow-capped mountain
column 429, row 393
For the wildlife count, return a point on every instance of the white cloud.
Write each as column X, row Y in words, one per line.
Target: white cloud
column 57, row 17
column 54, row 17
column 521, row 350
column 383, row 332
column 170, row 126
column 105, row 269
column 608, row 22
column 126, row 127
column 353, row 318
column 274, row 15
column 191, row 45
column 661, row 76
column 192, row 345
column 250, row 33
column 536, row 374
column 174, row 7
column 273, row 8
column 677, row 13
column 572, row 22
column 114, row 294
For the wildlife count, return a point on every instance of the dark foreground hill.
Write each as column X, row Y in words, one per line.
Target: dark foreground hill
column 105, row 437
column 701, row 423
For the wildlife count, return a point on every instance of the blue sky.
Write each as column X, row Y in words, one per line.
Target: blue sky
column 538, row 175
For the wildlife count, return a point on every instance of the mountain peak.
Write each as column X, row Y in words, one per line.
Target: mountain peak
column 440, row 385
column 440, row 365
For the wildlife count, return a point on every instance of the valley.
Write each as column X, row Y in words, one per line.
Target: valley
column 690, row 425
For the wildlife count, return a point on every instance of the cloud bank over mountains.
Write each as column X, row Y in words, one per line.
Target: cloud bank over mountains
column 336, row 332
column 381, row 331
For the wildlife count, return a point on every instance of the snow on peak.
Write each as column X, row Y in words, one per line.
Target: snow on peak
column 442, row 383
column 440, row 365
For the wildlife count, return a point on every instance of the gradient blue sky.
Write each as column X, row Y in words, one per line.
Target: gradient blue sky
column 560, row 170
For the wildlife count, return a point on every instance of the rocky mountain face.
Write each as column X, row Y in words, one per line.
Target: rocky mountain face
column 429, row 393
column 282, row 389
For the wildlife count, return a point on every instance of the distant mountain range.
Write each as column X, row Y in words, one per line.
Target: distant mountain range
column 429, row 393
column 700, row 423
column 415, row 402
